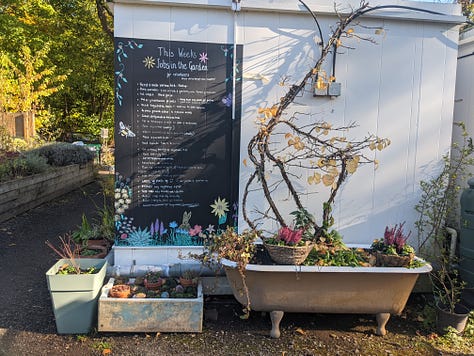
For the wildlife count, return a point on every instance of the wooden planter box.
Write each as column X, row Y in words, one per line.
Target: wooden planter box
column 20, row 195
column 150, row 314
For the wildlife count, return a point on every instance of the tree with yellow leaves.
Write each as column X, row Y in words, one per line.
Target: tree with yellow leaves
column 324, row 151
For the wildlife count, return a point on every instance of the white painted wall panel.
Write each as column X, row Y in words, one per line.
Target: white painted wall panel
column 402, row 88
column 464, row 103
column 174, row 23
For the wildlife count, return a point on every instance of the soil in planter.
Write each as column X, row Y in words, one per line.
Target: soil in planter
column 170, row 289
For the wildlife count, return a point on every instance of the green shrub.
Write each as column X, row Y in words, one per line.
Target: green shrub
column 22, row 166
column 35, row 163
column 64, row 154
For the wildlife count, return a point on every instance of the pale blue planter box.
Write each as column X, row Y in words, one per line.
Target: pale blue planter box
column 150, row 314
column 74, row 297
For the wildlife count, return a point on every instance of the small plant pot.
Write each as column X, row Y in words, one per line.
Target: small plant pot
column 288, row 255
column 120, row 291
column 384, row 260
column 100, row 242
column 188, row 282
column 154, row 285
column 445, row 318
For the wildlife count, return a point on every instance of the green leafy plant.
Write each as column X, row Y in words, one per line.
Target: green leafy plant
column 437, row 207
column 303, row 219
column 85, row 232
column 338, row 257
column 447, row 284
column 229, row 244
column 22, row 165
column 440, row 197
column 70, row 251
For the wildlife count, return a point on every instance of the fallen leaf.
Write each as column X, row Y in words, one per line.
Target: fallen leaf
column 300, row 331
column 106, row 351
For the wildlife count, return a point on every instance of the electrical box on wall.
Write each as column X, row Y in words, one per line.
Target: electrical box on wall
column 333, row 89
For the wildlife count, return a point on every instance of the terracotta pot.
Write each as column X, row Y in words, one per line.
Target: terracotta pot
column 154, row 285
column 100, row 242
column 445, row 318
column 188, row 282
column 120, row 291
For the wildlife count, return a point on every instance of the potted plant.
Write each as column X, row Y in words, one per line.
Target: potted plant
column 89, row 237
column 447, row 288
column 74, row 284
column 287, row 247
column 437, row 211
column 189, row 278
column 153, row 280
column 392, row 250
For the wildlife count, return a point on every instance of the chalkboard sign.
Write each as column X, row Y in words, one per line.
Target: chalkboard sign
column 176, row 140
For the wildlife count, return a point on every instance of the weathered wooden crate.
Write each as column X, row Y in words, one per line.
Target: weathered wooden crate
column 150, row 314
column 20, row 195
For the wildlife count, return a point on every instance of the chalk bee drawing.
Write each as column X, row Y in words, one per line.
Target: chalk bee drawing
column 125, row 130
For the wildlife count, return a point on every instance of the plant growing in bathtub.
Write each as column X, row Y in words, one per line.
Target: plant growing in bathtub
column 392, row 250
column 228, row 244
column 326, row 152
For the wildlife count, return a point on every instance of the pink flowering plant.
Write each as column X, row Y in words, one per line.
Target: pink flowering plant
column 287, row 236
column 394, row 241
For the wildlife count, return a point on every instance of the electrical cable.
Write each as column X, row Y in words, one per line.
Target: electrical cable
column 315, row 20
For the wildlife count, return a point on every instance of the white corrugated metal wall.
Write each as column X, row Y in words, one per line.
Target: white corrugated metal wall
column 402, row 87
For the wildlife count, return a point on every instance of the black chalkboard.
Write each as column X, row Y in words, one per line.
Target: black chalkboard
column 176, row 140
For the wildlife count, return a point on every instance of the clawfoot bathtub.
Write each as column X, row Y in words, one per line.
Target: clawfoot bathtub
column 311, row 289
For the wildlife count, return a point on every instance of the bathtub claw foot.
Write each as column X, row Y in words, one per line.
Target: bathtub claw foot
column 275, row 317
column 382, row 319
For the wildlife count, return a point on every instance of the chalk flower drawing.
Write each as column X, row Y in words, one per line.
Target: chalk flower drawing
column 149, row 62
column 203, row 57
column 220, row 207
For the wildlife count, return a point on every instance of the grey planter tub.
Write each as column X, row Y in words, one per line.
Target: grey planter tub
column 312, row 289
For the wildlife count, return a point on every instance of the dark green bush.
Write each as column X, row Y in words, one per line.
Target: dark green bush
column 64, row 154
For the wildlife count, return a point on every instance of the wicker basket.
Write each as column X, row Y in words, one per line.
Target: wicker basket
column 384, row 260
column 288, row 255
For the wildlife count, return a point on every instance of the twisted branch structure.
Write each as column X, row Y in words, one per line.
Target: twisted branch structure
column 312, row 147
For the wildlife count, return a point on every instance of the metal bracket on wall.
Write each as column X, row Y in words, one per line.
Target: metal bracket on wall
column 236, row 5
